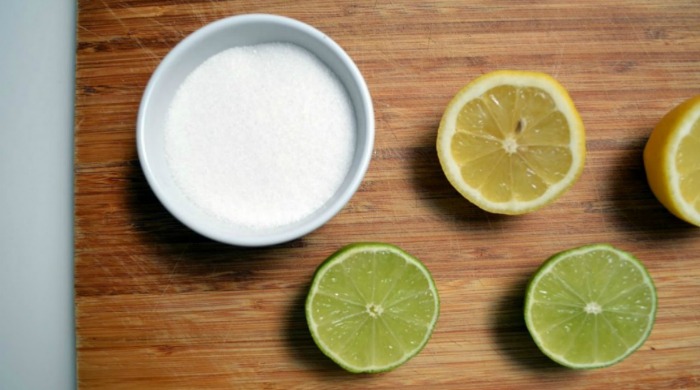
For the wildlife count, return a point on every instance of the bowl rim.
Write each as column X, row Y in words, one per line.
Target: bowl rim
column 355, row 175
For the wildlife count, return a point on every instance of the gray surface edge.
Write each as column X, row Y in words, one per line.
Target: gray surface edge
column 37, row 86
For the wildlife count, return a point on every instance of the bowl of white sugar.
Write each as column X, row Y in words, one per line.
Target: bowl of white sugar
column 255, row 130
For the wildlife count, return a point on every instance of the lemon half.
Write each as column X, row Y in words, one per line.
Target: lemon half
column 512, row 142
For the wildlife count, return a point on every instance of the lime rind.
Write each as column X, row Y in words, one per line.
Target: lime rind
column 347, row 338
column 570, row 332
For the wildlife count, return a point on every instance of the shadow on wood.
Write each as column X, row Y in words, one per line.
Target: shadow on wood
column 635, row 208
column 444, row 199
column 513, row 338
column 188, row 252
column 302, row 345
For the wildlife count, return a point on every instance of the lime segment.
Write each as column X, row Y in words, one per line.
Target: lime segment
column 371, row 307
column 590, row 307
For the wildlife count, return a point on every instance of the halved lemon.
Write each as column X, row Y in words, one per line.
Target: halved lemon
column 672, row 161
column 512, row 142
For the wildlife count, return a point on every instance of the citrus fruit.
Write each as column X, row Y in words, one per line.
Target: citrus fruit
column 511, row 141
column 672, row 161
column 371, row 307
column 591, row 306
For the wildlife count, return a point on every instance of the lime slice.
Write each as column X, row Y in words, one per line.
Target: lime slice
column 590, row 307
column 371, row 307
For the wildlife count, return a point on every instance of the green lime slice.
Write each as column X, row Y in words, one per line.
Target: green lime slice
column 591, row 306
column 371, row 307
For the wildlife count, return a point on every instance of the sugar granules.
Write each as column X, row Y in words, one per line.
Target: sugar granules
column 260, row 136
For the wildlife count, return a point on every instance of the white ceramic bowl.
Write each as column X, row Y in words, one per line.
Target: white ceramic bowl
column 230, row 32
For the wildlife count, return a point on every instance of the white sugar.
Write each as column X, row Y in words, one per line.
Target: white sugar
column 260, row 136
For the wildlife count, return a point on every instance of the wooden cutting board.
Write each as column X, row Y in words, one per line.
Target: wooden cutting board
column 158, row 306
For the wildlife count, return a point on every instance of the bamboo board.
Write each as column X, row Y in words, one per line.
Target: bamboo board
column 158, row 306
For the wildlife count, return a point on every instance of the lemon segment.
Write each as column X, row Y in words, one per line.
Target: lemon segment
column 672, row 161
column 511, row 141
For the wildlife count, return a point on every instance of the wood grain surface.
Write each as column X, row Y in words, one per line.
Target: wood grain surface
column 160, row 307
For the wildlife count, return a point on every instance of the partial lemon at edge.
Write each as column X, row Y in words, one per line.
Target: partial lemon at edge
column 672, row 161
